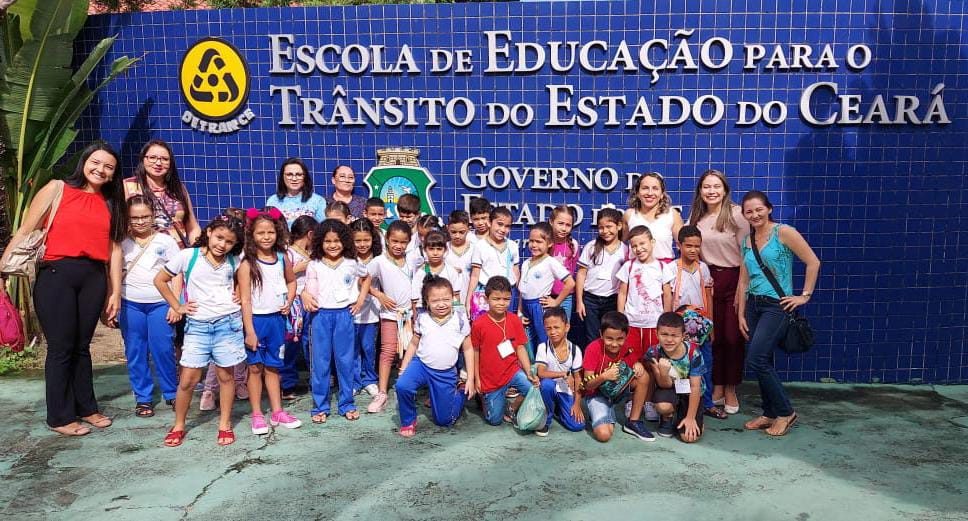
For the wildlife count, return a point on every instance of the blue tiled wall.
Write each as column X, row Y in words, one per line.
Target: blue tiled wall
column 884, row 206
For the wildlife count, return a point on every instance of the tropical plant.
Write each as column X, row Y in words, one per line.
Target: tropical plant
column 41, row 98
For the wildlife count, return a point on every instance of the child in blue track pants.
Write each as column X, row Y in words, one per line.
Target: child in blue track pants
column 431, row 359
column 366, row 241
column 145, row 318
column 538, row 275
column 336, row 288
column 559, row 365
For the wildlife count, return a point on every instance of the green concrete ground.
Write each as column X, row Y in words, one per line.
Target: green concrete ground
column 860, row 452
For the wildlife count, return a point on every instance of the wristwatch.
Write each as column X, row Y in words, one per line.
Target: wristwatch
column 806, row 294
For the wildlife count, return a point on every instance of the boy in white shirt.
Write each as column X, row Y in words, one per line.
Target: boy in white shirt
column 559, row 365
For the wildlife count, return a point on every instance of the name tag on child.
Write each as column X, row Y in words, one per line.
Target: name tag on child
column 683, row 386
column 561, row 386
column 505, row 349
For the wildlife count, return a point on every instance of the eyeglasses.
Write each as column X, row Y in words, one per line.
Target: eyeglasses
column 345, row 177
column 157, row 159
column 294, row 175
column 142, row 218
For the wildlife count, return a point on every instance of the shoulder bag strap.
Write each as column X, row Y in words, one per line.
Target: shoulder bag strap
column 54, row 205
column 134, row 262
column 183, row 238
column 676, row 292
column 191, row 266
column 764, row 268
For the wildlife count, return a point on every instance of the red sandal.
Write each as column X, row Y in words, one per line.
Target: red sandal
column 226, row 437
column 174, row 438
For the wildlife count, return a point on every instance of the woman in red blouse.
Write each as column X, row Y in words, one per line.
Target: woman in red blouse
column 78, row 280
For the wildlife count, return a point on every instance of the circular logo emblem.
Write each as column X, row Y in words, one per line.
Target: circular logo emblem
column 214, row 79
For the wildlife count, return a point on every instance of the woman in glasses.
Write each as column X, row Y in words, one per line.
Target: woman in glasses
column 294, row 195
column 156, row 178
column 344, row 180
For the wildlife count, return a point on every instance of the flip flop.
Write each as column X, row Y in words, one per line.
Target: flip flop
column 759, row 423
column 174, row 438
column 407, row 431
column 786, row 428
column 352, row 415
column 224, row 438
column 715, row 412
column 320, row 418
column 98, row 420
column 67, row 430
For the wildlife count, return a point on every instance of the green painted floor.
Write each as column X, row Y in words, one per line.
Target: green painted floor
column 860, row 452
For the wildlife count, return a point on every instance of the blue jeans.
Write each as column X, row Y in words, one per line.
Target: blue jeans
column 332, row 339
column 559, row 406
column 446, row 400
column 568, row 305
column 146, row 331
column 595, row 307
column 707, row 378
column 536, row 332
column 495, row 401
column 366, row 354
column 767, row 323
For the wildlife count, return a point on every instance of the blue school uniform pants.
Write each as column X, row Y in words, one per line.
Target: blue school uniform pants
column 595, row 307
column 365, row 354
column 289, row 375
column 446, row 400
column 332, row 340
column 536, row 330
column 559, row 406
column 707, row 378
column 147, row 334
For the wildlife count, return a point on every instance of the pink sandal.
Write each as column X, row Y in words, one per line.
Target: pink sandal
column 407, row 431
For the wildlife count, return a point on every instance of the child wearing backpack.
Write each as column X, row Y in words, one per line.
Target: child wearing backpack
column 559, row 368
column 213, row 326
column 676, row 367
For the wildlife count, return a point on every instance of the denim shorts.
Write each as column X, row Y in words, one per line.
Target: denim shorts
column 219, row 340
column 601, row 410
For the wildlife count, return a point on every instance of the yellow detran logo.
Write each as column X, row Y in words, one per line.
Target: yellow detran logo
column 215, row 84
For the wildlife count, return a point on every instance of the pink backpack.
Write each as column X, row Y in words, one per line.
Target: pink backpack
column 11, row 325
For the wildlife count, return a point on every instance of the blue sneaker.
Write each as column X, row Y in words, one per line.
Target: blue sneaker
column 637, row 428
column 666, row 428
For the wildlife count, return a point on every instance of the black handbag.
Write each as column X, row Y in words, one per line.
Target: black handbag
column 799, row 336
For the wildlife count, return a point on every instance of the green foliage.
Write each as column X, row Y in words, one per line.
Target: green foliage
column 41, row 98
column 11, row 362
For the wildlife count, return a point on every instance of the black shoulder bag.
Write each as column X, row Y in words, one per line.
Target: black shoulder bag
column 799, row 336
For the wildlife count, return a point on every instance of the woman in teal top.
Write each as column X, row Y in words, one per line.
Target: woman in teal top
column 294, row 195
column 763, row 315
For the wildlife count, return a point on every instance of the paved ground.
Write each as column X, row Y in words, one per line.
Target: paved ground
column 860, row 452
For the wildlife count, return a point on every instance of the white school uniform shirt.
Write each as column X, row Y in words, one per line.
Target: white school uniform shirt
column 139, row 281
column 210, row 287
column 272, row 295
column 495, row 263
column 370, row 312
column 461, row 263
column 600, row 279
column 661, row 229
column 692, row 289
column 537, row 279
column 295, row 257
column 336, row 286
column 545, row 354
column 447, row 272
column 440, row 341
column 394, row 280
column 643, row 305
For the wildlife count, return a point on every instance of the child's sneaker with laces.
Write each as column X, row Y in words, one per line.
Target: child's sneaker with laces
column 283, row 418
column 637, row 428
column 208, row 401
column 379, row 403
column 259, row 425
column 543, row 431
column 666, row 428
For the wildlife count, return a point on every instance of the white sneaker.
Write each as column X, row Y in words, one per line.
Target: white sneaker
column 371, row 389
column 650, row 414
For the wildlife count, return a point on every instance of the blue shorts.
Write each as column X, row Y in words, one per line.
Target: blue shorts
column 219, row 340
column 601, row 410
column 271, row 330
